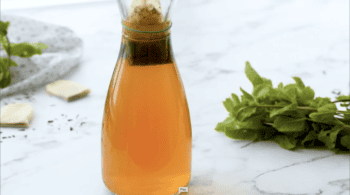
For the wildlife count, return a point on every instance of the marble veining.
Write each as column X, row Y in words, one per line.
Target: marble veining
column 211, row 42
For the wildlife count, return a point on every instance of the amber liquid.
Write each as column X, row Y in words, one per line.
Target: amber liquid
column 146, row 132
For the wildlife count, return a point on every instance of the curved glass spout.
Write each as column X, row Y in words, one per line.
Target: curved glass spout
column 129, row 7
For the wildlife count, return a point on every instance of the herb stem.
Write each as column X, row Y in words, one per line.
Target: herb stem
column 341, row 101
column 9, row 51
column 301, row 108
column 347, row 127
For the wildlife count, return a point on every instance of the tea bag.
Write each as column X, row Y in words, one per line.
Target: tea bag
column 16, row 115
column 146, row 12
column 139, row 3
column 68, row 90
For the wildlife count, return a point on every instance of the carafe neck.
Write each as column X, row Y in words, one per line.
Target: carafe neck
column 147, row 46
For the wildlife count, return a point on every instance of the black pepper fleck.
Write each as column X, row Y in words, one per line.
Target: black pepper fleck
column 4, row 137
column 50, row 121
column 25, row 136
column 70, row 119
column 71, row 129
column 13, row 136
column 82, row 123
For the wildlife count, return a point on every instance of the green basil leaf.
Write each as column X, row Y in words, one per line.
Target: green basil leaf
column 299, row 82
column 311, row 136
column 252, row 75
column 345, row 141
column 242, row 134
column 235, row 99
column 280, row 86
column 228, row 104
column 343, row 98
column 280, row 111
column 267, row 133
column 245, row 112
column 220, row 127
column 247, row 99
column 304, row 103
column 296, row 134
column 346, row 116
column 5, row 79
column 24, row 50
column 5, row 62
column 290, row 86
column 323, row 101
column 307, row 94
column 265, row 94
column 3, row 28
column 325, row 117
column 330, row 107
column 282, row 96
column 292, row 94
column 267, row 82
column 345, row 105
column 283, row 103
column 253, row 122
column 288, row 124
column 5, row 45
column 258, row 89
column 319, row 102
column 40, row 46
column 329, row 137
column 285, row 142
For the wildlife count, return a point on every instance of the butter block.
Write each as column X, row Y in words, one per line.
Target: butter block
column 68, row 90
column 16, row 115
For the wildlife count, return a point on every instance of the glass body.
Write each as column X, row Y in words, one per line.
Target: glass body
column 146, row 130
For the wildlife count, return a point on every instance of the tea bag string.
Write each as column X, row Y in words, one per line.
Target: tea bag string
column 167, row 28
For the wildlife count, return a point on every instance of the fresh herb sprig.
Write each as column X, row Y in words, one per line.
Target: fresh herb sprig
column 288, row 115
column 23, row 50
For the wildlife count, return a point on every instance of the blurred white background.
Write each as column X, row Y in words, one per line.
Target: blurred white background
column 23, row 4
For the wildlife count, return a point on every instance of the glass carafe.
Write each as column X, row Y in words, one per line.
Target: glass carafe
column 146, row 130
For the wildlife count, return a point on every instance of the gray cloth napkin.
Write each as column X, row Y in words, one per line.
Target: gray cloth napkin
column 64, row 53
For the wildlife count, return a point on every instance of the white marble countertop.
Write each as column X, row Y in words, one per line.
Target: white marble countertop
column 211, row 41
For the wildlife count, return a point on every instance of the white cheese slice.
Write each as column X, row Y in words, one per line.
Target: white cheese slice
column 16, row 115
column 68, row 90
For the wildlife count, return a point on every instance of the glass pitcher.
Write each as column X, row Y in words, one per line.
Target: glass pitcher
column 146, row 129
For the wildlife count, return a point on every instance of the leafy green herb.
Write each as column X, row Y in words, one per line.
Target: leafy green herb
column 23, row 50
column 289, row 115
